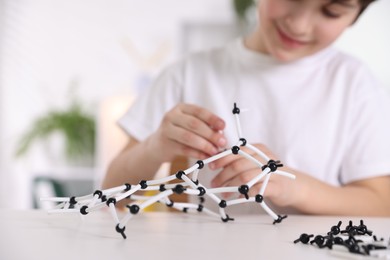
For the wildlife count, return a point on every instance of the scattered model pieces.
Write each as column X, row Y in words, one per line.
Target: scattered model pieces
column 190, row 185
column 357, row 240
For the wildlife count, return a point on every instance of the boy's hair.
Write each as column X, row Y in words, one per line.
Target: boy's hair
column 364, row 4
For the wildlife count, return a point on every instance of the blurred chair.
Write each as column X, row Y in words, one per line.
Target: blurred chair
column 61, row 183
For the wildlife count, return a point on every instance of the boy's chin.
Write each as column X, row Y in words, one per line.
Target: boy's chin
column 287, row 56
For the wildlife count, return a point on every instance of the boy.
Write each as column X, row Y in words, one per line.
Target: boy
column 317, row 110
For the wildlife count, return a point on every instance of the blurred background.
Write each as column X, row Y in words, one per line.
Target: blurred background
column 69, row 69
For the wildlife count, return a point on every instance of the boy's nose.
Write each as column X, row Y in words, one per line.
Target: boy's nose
column 300, row 22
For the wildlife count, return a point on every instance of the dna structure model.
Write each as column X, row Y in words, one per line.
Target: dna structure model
column 188, row 184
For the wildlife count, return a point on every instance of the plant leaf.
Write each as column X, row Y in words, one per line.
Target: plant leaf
column 77, row 126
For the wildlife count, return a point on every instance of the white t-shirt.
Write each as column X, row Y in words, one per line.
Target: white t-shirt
column 324, row 115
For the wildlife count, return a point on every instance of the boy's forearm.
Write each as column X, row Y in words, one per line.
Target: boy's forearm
column 356, row 199
column 130, row 166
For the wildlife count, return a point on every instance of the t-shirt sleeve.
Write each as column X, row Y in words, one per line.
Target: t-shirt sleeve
column 145, row 114
column 368, row 151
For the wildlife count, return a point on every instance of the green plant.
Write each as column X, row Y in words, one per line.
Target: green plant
column 241, row 7
column 77, row 126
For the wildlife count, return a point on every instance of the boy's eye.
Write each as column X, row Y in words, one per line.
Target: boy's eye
column 330, row 13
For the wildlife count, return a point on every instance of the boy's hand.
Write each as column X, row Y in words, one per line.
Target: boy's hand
column 188, row 130
column 237, row 170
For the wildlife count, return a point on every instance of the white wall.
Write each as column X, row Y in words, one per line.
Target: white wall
column 111, row 48
column 2, row 182
column 369, row 39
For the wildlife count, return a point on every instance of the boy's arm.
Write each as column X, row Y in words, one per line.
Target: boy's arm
column 186, row 130
column 369, row 197
column 131, row 165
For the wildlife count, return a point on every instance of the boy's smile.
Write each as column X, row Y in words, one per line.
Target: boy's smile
column 290, row 42
column 293, row 29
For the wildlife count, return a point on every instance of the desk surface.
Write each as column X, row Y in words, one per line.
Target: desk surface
column 160, row 235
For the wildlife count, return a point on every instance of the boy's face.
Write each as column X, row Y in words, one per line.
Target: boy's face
column 292, row 29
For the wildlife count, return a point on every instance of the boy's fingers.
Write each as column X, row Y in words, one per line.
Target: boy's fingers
column 194, row 141
column 223, row 162
column 196, row 125
column 212, row 120
column 190, row 152
column 236, row 173
column 221, row 179
column 199, row 127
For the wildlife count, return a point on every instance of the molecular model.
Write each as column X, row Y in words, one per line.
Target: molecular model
column 188, row 184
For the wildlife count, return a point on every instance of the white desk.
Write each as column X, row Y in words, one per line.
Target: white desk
column 37, row 235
